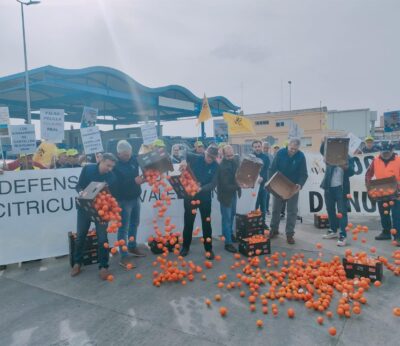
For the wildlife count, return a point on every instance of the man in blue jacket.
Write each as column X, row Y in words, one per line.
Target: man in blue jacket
column 290, row 162
column 336, row 186
column 101, row 172
column 205, row 169
column 127, row 194
column 261, row 201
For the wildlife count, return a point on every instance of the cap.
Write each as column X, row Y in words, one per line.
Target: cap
column 159, row 143
column 386, row 146
column 276, row 146
column 72, row 152
column 212, row 151
column 61, row 151
column 368, row 139
column 199, row 144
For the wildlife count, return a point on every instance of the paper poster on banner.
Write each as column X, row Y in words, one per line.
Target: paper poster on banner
column 149, row 133
column 354, row 144
column 4, row 121
column 89, row 117
column 52, row 125
column 91, row 140
column 23, row 139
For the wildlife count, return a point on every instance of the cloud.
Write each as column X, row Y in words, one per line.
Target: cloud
column 244, row 52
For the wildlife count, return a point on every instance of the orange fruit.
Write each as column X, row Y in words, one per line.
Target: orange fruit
column 208, row 219
column 208, row 302
column 129, row 266
column 223, row 311
column 132, row 238
column 254, row 194
column 320, row 320
column 138, row 276
column 332, row 331
column 259, row 323
column 106, row 245
column 291, row 313
column 110, row 278
column 339, row 215
column 217, row 297
column 377, row 283
column 396, row 311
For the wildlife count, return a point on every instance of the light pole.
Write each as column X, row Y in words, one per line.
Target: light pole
column 290, row 95
column 28, row 97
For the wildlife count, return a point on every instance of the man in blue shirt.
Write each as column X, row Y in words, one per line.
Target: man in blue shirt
column 205, row 169
column 262, row 193
column 101, row 172
column 290, row 162
column 127, row 194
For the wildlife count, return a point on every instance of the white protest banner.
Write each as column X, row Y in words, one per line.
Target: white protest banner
column 89, row 117
column 37, row 208
column 52, row 125
column 149, row 133
column 91, row 140
column 354, row 144
column 23, row 140
column 4, row 121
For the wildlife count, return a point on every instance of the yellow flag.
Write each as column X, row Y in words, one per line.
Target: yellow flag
column 238, row 124
column 205, row 112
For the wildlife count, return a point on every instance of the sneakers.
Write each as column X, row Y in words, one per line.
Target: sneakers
column 341, row 242
column 76, row 270
column 104, row 273
column 230, row 248
column 184, row 252
column 290, row 239
column 126, row 263
column 330, row 235
column 136, row 252
column 383, row 236
column 211, row 255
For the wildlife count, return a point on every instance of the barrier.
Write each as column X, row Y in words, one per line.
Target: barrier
column 37, row 208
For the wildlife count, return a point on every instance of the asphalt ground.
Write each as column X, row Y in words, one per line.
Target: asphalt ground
column 41, row 304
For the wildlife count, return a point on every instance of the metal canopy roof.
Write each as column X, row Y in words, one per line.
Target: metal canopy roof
column 119, row 98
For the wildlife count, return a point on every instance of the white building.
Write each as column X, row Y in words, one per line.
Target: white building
column 361, row 122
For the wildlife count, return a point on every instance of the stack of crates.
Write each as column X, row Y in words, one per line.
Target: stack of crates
column 248, row 225
column 90, row 252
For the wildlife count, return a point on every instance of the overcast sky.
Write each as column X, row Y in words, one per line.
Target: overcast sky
column 344, row 54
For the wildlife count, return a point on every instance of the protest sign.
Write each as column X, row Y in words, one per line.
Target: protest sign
column 354, row 143
column 4, row 121
column 52, row 125
column 23, row 140
column 91, row 140
column 89, row 117
column 149, row 133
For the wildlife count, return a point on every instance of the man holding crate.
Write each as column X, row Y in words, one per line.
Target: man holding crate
column 290, row 162
column 385, row 165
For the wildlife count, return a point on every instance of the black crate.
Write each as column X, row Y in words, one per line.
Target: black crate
column 90, row 252
column 360, row 270
column 86, row 199
column 245, row 233
column 243, row 222
column 320, row 222
column 157, row 159
column 250, row 250
column 174, row 180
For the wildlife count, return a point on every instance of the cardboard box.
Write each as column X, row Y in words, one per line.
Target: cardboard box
column 158, row 159
column 87, row 197
column 385, row 189
column 281, row 187
column 360, row 270
column 321, row 221
column 336, row 151
column 248, row 171
column 249, row 250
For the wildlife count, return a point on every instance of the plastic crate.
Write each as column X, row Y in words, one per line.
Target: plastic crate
column 361, row 270
column 90, row 252
column 244, row 222
column 245, row 233
column 321, row 221
column 250, row 250
column 86, row 199
column 336, row 151
column 383, row 186
column 157, row 159
column 248, row 171
column 174, row 178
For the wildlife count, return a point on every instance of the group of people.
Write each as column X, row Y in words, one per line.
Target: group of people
column 215, row 170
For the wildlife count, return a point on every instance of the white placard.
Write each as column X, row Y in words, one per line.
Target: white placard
column 89, row 117
column 23, row 139
column 52, row 125
column 91, row 140
column 354, row 144
column 4, row 121
column 149, row 133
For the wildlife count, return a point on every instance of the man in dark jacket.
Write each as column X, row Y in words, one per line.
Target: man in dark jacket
column 336, row 186
column 127, row 194
column 204, row 168
column 290, row 162
column 227, row 190
column 101, row 172
column 261, row 196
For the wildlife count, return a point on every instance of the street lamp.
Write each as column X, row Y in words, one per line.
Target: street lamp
column 290, row 95
column 28, row 98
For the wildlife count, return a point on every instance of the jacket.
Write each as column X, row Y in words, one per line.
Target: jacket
column 126, row 172
column 90, row 173
column 226, row 181
column 347, row 173
column 294, row 168
column 265, row 167
column 381, row 168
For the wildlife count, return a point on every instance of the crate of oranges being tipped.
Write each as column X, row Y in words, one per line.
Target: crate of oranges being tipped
column 183, row 182
column 385, row 189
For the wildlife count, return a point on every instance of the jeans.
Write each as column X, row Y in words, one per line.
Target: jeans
column 261, row 201
column 227, row 217
column 291, row 218
column 83, row 224
column 387, row 222
column 267, row 198
column 130, row 221
column 205, row 212
column 334, row 198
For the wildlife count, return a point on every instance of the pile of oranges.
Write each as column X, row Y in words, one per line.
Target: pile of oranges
column 381, row 192
column 254, row 213
column 257, row 238
column 109, row 211
column 189, row 183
